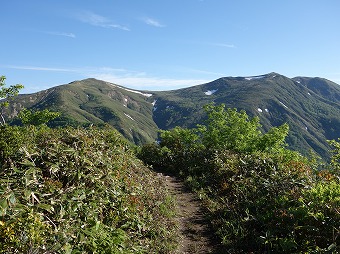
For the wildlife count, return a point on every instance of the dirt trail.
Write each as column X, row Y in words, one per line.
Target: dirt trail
column 194, row 231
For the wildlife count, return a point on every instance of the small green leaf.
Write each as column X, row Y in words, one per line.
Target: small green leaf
column 3, row 204
column 46, row 207
column 12, row 198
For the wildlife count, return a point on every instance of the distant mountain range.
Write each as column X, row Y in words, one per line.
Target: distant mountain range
column 311, row 106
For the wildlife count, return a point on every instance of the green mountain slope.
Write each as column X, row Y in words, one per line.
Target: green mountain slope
column 311, row 106
column 96, row 102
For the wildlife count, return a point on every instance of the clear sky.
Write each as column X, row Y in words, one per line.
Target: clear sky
column 166, row 44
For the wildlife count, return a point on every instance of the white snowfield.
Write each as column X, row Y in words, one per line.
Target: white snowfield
column 255, row 77
column 128, row 116
column 283, row 104
column 210, row 92
column 132, row 91
column 260, row 110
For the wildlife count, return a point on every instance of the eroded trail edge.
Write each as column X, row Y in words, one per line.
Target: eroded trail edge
column 195, row 235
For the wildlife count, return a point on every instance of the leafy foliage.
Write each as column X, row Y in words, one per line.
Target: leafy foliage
column 261, row 197
column 28, row 117
column 233, row 130
column 335, row 161
column 266, row 205
column 78, row 190
column 7, row 93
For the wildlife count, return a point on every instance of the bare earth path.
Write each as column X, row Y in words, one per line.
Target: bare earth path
column 194, row 231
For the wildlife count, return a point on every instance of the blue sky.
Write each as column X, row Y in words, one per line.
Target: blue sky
column 166, row 44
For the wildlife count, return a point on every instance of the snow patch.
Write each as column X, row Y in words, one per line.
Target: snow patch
column 132, row 91
column 267, row 110
column 153, row 104
column 138, row 92
column 283, row 104
column 309, row 94
column 255, row 77
column 259, row 110
column 128, row 116
column 210, row 92
column 297, row 81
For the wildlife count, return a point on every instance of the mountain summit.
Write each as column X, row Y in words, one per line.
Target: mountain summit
column 311, row 106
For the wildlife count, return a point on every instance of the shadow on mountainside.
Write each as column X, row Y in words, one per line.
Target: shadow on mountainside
column 195, row 235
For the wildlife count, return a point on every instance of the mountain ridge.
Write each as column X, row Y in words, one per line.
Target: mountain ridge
column 311, row 106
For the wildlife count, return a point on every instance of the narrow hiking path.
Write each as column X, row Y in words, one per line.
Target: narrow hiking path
column 195, row 235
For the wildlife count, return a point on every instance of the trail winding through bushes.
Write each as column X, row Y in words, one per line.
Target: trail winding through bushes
column 195, row 235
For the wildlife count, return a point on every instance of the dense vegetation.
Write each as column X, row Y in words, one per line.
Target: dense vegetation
column 77, row 190
column 260, row 196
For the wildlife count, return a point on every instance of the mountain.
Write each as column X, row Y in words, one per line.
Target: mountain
column 96, row 102
column 311, row 106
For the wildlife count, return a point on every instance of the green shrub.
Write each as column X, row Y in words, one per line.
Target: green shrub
column 79, row 190
column 268, row 206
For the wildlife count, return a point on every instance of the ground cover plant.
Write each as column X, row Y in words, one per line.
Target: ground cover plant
column 260, row 196
column 77, row 190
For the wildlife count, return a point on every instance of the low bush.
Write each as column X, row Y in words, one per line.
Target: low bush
column 79, row 191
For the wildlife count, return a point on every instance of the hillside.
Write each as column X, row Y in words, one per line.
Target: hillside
column 311, row 106
column 95, row 102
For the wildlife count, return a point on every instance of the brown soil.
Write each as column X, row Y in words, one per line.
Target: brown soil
column 194, row 232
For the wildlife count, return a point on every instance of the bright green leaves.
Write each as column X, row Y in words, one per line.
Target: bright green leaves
column 274, row 139
column 7, row 93
column 335, row 159
column 40, row 117
column 226, row 129
column 229, row 129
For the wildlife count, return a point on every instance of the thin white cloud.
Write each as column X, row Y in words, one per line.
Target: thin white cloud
column 120, row 76
column 98, row 20
column 37, row 68
column 70, row 35
column 152, row 22
column 139, row 80
column 150, row 83
column 225, row 45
